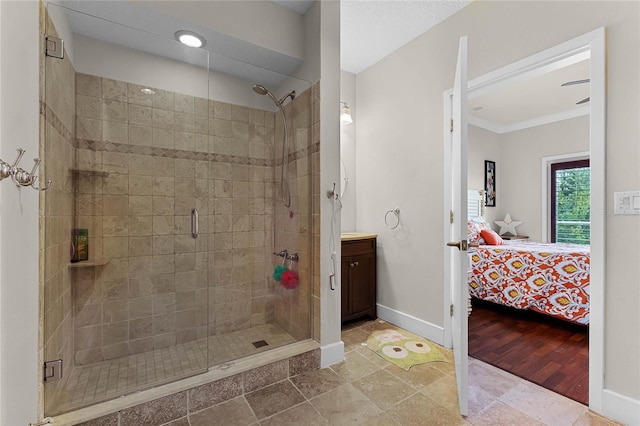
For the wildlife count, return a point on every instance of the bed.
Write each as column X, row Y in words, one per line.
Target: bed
column 552, row 279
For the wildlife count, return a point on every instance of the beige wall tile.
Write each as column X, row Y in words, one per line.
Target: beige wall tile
column 140, row 246
column 115, row 205
column 116, row 311
column 140, row 225
column 140, row 135
column 140, row 328
column 184, row 141
column 88, row 85
column 201, row 106
column 163, row 119
column 163, row 138
column 88, row 128
column 140, row 307
column 184, row 122
column 163, row 100
column 88, row 337
column 140, row 115
column 115, row 226
column 136, row 96
column 113, row 110
column 88, row 106
column 163, row 244
column 113, row 89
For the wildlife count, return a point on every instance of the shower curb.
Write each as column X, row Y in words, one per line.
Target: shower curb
column 173, row 401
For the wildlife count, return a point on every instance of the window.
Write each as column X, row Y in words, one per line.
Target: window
column 570, row 206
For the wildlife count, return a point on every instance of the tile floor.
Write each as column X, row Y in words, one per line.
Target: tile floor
column 90, row 384
column 365, row 389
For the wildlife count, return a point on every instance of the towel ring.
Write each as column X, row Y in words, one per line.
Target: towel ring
column 396, row 212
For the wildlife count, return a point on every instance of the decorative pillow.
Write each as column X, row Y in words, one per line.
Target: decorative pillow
column 491, row 237
column 473, row 232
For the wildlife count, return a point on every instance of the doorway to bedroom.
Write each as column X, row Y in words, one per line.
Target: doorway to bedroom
column 529, row 343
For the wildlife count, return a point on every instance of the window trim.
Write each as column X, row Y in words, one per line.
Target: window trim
column 554, row 167
column 545, row 230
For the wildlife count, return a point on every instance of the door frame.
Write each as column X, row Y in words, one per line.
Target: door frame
column 592, row 44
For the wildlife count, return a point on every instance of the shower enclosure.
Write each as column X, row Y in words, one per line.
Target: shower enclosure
column 192, row 189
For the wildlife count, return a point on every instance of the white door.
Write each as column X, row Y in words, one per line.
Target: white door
column 458, row 229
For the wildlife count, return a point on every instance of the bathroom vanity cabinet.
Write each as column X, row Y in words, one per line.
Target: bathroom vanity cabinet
column 358, row 276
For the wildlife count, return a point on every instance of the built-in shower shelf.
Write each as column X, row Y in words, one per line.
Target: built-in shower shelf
column 88, row 263
column 89, row 172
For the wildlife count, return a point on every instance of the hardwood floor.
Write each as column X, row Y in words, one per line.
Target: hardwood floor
column 547, row 351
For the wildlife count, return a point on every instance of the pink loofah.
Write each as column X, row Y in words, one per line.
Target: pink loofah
column 290, row 279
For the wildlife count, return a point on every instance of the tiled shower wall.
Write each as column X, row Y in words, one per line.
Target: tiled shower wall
column 139, row 177
column 57, row 124
column 294, row 223
column 145, row 161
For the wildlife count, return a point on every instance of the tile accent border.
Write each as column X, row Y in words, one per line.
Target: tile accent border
column 122, row 148
column 183, row 403
column 52, row 118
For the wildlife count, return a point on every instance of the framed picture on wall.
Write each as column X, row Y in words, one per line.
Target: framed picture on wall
column 490, row 183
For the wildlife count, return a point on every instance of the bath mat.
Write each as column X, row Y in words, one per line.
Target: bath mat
column 403, row 350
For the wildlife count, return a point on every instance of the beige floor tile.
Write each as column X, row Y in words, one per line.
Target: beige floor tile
column 317, row 382
column 355, row 324
column 490, row 379
column 233, row 412
column 419, row 410
column 444, row 392
column 529, row 399
column 589, row 418
column 382, row 419
column 354, row 366
column 273, row 399
column 353, row 339
column 486, row 384
column 378, row 325
column 383, row 388
column 499, row 414
column 302, row 414
column 345, row 405
column 418, row 376
column 373, row 357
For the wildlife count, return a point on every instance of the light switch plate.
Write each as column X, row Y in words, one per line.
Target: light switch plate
column 626, row 203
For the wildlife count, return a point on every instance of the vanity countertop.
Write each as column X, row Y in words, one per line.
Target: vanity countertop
column 351, row 236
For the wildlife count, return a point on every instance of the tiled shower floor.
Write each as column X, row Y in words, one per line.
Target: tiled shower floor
column 90, row 384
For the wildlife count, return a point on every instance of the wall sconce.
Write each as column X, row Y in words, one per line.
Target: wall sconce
column 345, row 113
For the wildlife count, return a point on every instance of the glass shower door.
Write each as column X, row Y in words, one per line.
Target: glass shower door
column 126, row 143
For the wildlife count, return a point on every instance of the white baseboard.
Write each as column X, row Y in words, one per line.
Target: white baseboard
column 331, row 354
column 410, row 323
column 620, row 408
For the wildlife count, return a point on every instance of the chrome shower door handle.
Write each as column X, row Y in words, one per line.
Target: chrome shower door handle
column 194, row 223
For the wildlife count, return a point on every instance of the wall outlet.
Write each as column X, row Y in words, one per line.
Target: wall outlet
column 626, row 203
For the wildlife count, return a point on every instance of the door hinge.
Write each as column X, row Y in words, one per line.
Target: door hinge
column 451, row 310
column 450, row 216
column 54, row 47
column 53, row 370
column 451, row 125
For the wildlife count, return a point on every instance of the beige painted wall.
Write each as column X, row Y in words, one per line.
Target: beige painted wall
column 484, row 145
column 518, row 156
column 521, row 168
column 400, row 152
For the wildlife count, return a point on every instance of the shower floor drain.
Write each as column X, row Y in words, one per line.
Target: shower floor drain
column 259, row 344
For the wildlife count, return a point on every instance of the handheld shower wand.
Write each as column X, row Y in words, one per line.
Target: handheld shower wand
column 285, row 188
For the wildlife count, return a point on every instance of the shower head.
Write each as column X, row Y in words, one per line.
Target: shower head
column 261, row 90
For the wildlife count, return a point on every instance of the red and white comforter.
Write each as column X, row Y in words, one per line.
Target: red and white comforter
column 549, row 278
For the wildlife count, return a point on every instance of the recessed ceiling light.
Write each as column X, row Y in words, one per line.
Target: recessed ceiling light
column 148, row 91
column 478, row 108
column 189, row 38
